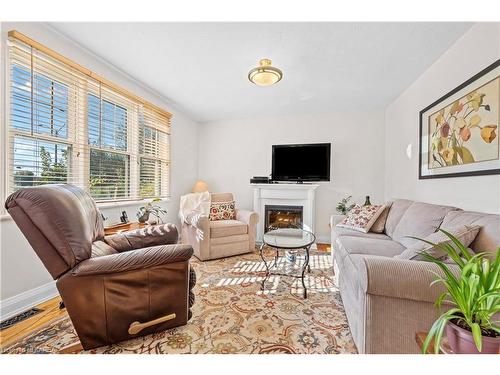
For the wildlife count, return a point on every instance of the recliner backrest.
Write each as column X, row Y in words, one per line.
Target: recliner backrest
column 59, row 221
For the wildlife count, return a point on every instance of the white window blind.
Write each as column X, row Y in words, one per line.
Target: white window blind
column 154, row 152
column 66, row 126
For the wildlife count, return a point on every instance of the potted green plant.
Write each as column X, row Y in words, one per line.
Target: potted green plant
column 150, row 208
column 343, row 206
column 474, row 293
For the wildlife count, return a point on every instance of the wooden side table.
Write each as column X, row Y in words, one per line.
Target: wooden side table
column 123, row 227
column 444, row 349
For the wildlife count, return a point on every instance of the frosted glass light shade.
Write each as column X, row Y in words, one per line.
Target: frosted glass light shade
column 265, row 74
column 200, row 187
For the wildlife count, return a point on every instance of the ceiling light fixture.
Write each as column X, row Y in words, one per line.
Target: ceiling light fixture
column 265, row 74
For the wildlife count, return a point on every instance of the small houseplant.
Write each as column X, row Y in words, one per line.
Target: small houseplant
column 151, row 208
column 343, row 206
column 475, row 296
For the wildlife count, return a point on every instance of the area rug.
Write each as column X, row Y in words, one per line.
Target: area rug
column 233, row 315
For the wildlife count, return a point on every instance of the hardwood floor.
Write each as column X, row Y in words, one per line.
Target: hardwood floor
column 51, row 311
column 323, row 247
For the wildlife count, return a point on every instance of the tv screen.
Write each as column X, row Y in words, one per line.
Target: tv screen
column 308, row 162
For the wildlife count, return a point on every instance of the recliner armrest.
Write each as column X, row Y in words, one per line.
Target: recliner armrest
column 164, row 234
column 247, row 216
column 133, row 260
column 399, row 278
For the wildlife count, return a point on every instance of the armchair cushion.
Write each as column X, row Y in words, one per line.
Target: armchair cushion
column 101, row 248
column 224, row 228
column 133, row 260
column 164, row 234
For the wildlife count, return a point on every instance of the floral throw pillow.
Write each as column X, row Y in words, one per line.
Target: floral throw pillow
column 361, row 218
column 222, row 211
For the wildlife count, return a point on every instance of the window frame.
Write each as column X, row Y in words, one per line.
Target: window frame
column 72, row 139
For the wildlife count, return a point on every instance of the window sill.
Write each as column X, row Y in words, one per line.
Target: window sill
column 5, row 216
column 127, row 203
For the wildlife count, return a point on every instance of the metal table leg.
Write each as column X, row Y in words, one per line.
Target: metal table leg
column 267, row 267
column 304, row 267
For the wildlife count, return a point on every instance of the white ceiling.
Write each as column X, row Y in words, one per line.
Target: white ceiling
column 202, row 67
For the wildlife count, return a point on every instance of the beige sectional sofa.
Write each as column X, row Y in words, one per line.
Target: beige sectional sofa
column 387, row 299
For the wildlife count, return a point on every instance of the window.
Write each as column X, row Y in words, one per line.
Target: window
column 109, row 156
column 67, row 125
column 153, row 151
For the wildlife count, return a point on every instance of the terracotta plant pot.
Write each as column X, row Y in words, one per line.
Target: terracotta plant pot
column 462, row 342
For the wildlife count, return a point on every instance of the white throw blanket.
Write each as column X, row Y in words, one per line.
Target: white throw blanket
column 194, row 205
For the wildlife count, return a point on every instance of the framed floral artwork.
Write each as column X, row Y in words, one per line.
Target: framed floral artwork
column 459, row 132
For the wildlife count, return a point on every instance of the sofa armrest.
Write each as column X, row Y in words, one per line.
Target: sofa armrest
column 156, row 235
column 335, row 219
column 398, row 278
column 133, row 260
column 247, row 216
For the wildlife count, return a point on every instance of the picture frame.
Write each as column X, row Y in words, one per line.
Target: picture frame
column 458, row 133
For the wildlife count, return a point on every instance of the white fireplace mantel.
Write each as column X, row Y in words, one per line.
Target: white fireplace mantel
column 286, row 195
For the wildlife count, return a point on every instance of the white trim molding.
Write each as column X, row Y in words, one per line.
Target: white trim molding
column 21, row 302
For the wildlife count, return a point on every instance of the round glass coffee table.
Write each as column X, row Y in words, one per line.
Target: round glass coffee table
column 293, row 242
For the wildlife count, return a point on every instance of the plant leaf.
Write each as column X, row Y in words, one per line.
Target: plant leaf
column 465, row 154
column 476, row 334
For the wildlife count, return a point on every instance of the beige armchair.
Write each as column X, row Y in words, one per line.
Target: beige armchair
column 221, row 238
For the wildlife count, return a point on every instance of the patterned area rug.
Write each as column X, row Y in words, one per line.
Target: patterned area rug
column 233, row 315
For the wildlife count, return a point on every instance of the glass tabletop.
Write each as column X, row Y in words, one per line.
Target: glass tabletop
column 289, row 238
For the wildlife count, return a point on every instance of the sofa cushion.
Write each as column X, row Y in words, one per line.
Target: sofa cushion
column 419, row 220
column 369, row 246
column 488, row 238
column 398, row 208
column 379, row 224
column 465, row 234
column 338, row 232
column 224, row 228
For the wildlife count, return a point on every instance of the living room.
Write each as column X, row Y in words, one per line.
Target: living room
column 249, row 187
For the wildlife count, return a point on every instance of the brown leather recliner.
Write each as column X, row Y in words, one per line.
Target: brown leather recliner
column 114, row 287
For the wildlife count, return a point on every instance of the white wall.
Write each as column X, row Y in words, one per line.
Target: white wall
column 21, row 271
column 230, row 152
column 369, row 150
column 477, row 49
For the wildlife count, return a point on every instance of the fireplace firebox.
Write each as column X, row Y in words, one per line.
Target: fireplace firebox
column 279, row 216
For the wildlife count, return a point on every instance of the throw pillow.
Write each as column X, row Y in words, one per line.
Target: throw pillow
column 379, row 224
column 465, row 234
column 222, row 211
column 361, row 218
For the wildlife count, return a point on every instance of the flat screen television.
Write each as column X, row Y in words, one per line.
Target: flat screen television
column 302, row 162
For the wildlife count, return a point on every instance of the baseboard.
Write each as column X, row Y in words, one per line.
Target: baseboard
column 26, row 300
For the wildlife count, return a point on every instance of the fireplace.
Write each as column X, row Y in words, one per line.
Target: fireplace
column 279, row 216
column 300, row 196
